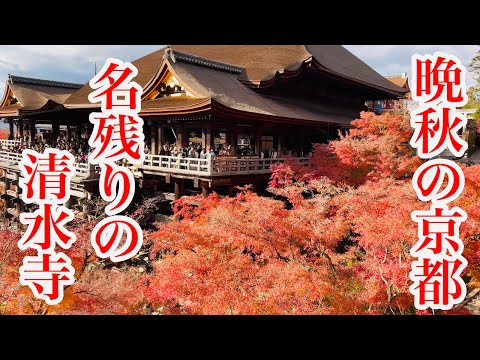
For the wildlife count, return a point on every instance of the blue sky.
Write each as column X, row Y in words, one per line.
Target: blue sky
column 75, row 63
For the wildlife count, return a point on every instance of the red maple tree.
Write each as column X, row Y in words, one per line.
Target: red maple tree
column 339, row 244
column 334, row 239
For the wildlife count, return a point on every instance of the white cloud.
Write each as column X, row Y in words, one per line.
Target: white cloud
column 70, row 63
column 75, row 63
column 395, row 59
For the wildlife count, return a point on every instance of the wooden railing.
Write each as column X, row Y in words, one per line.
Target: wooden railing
column 176, row 165
column 245, row 166
column 6, row 143
column 188, row 166
column 81, row 170
column 211, row 167
column 11, row 158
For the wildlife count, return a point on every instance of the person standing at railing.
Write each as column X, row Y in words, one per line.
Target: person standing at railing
column 174, row 152
column 211, row 154
column 192, row 153
column 211, row 157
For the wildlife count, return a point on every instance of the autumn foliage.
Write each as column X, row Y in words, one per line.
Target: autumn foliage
column 335, row 241
column 101, row 287
column 334, row 238
column 376, row 147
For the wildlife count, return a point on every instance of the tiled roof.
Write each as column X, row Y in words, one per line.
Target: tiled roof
column 24, row 80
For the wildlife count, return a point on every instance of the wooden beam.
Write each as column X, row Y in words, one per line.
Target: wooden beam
column 55, row 132
column 232, row 140
column 280, row 143
column 78, row 134
column 209, row 136
column 153, row 139
column 32, row 131
column 180, row 137
column 20, row 125
column 6, row 181
column 258, row 139
column 160, row 136
column 178, row 188
column 206, row 190
column 299, row 142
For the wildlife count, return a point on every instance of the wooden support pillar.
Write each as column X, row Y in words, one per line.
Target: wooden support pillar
column 89, row 129
column 180, row 137
column 20, row 127
column 178, row 188
column 206, row 190
column 160, row 136
column 69, row 134
column 86, row 204
column 299, row 143
column 258, row 140
column 232, row 191
column 6, row 197
column 78, row 134
column 280, row 143
column 153, row 139
column 10, row 126
column 209, row 136
column 204, row 138
column 19, row 203
column 32, row 132
column 185, row 135
column 55, row 133
column 232, row 140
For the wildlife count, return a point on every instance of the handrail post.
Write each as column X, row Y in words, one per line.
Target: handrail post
column 210, row 165
column 90, row 171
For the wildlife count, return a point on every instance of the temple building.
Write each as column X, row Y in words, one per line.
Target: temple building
column 400, row 105
column 251, row 105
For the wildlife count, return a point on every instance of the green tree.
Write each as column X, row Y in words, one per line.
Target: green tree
column 474, row 68
column 473, row 94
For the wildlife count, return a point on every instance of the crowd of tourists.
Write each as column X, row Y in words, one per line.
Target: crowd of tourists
column 80, row 149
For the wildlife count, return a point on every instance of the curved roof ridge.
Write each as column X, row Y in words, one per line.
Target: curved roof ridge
column 27, row 80
column 338, row 60
column 176, row 55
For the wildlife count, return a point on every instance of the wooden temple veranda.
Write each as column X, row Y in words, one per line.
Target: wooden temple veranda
column 256, row 103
